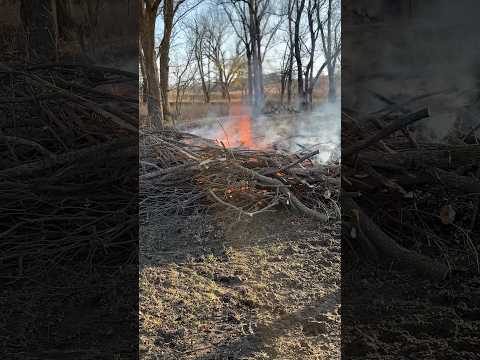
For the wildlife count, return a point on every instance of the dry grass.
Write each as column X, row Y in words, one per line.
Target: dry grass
column 193, row 105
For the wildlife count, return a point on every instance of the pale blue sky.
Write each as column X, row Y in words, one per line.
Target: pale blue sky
column 273, row 56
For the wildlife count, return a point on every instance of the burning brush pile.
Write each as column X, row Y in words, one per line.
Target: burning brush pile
column 64, row 141
column 429, row 224
column 184, row 174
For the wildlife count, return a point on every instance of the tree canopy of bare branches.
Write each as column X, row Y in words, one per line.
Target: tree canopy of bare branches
column 227, row 42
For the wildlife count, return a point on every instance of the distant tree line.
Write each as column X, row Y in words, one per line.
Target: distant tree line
column 226, row 41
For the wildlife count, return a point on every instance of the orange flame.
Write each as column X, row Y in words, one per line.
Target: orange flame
column 245, row 131
column 239, row 132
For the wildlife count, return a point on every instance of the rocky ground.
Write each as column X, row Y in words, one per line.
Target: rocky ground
column 227, row 288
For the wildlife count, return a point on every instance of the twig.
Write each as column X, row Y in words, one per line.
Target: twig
column 251, row 214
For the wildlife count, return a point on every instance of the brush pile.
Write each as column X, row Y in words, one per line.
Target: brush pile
column 429, row 191
column 184, row 174
column 64, row 140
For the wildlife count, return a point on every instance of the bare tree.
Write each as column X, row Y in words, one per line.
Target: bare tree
column 184, row 75
column 299, row 5
column 172, row 12
column 237, row 13
column 313, row 30
column 251, row 20
column 307, row 20
column 197, row 32
column 168, row 12
column 290, row 49
column 227, row 63
column 149, row 12
column 329, row 20
column 285, row 74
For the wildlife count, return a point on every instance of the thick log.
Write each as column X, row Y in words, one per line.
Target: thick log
column 435, row 175
column 391, row 252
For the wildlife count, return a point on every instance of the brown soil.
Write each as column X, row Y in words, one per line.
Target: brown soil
column 388, row 315
column 266, row 287
column 71, row 315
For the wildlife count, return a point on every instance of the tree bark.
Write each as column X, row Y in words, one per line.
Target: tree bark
column 250, row 76
column 298, row 55
column 205, row 90
column 147, row 40
column 164, row 51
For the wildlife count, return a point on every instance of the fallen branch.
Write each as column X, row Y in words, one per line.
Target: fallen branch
column 96, row 151
column 391, row 252
column 296, row 162
column 387, row 130
column 294, row 200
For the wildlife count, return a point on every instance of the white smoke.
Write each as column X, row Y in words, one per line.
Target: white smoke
column 307, row 131
column 430, row 49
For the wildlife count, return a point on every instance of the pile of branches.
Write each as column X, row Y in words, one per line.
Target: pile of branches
column 184, row 174
column 63, row 175
column 407, row 203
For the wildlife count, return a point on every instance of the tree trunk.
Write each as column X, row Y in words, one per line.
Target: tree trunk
column 283, row 86
column 250, row 77
column 332, row 85
column 298, row 55
column 300, row 84
column 255, row 39
column 143, row 74
column 164, row 50
column 261, row 95
column 150, row 67
column 289, row 79
column 291, row 52
column 206, row 94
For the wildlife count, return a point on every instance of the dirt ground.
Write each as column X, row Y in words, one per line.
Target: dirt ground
column 220, row 287
column 388, row 315
column 79, row 315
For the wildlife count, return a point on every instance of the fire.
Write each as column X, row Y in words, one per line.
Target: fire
column 245, row 131
column 239, row 131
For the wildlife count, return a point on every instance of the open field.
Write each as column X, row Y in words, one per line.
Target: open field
column 192, row 105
